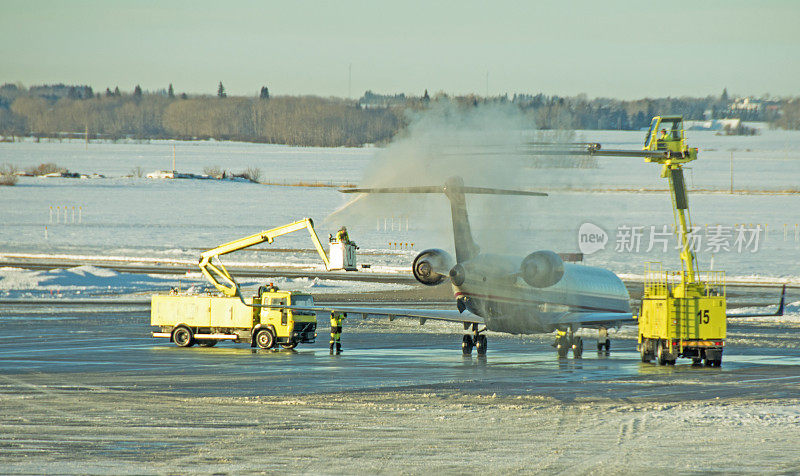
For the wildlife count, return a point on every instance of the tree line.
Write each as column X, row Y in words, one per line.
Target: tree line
column 292, row 120
column 56, row 110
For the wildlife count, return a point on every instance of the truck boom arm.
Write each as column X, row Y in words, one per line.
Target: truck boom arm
column 222, row 279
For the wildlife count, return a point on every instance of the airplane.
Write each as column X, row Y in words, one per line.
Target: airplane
column 537, row 293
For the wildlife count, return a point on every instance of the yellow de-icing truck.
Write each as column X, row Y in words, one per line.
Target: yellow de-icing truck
column 682, row 314
column 682, row 319
column 261, row 320
column 207, row 319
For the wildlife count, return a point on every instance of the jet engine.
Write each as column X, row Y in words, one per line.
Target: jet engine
column 541, row 269
column 431, row 267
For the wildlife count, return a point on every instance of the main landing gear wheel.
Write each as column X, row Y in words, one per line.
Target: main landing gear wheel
column 265, row 339
column 476, row 340
column 577, row 348
column 561, row 345
column 207, row 342
column 566, row 341
column 480, row 344
column 183, row 337
column 467, row 345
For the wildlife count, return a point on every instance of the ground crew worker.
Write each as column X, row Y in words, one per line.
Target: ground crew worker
column 603, row 340
column 663, row 135
column 342, row 236
column 336, row 330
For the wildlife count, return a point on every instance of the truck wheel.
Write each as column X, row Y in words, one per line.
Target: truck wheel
column 661, row 354
column 265, row 339
column 289, row 346
column 645, row 354
column 183, row 337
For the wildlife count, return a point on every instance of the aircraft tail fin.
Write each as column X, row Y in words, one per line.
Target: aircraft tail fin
column 455, row 190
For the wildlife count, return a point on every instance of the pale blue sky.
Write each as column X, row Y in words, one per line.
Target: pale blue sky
column 622, row 49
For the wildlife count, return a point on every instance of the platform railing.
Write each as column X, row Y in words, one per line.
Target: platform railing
column 658, row 282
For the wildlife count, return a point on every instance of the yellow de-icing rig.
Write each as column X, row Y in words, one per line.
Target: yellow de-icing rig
column 682, row 313
column 262, row 319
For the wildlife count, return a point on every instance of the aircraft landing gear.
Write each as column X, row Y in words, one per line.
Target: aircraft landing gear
column 566, row 341
column 476, row 340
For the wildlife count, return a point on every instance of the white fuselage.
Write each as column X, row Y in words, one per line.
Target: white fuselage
column 494, row 290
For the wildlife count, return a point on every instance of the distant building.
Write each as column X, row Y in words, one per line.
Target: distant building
column 371, row 100
column 745, row 104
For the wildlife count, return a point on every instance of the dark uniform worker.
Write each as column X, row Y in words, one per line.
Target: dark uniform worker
column 336, row 330
column 342, row 236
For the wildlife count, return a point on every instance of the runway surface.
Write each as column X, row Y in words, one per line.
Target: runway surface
column 84, row 389
column 110, row 347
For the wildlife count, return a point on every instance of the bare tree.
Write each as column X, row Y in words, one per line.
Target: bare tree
column 8, row 175
column 252, row 174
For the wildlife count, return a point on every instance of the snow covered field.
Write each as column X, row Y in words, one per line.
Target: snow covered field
column 175, row 219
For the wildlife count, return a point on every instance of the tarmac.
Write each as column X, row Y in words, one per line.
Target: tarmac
column 85, row 389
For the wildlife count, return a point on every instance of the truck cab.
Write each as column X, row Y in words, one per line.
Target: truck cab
column 290, row 326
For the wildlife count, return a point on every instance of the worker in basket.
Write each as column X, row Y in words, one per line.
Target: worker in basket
column 342, row 236
column 336, row 330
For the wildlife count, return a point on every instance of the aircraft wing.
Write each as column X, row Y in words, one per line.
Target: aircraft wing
column 449, row 315
column 596, row 319
column 778, row 312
